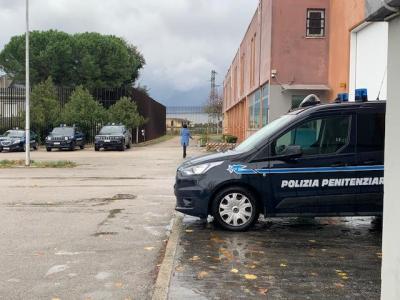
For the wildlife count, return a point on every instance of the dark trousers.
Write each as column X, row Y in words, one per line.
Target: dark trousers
column 184, row 151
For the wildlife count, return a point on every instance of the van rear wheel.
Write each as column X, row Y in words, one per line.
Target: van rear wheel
column 235, row 209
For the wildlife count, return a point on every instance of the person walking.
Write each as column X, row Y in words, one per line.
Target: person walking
column 185, row 136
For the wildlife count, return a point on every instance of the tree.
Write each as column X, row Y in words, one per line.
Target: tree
column 214, row 109
column 89, row 59
column 45, row 106
column 125, row 111
column 83, row 110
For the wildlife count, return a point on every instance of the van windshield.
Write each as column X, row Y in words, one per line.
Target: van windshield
column 258, row 138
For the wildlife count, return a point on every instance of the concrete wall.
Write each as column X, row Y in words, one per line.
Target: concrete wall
column 283, row 100
column 391, row 220
column 344, row 16
column 275, row 39
column 246, row 73
column 297, row 58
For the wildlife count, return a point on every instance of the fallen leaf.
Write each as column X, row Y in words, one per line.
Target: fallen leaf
column 313, row 274
column 312, row 241
column 202, row 274
column 179, row 269
column 189, row 230
column 283, row 265
column 194, row 258
column 216, row 239
column 339, row 285
column 149, row 248
column 118, row 285
column 235, row 271
column 342, row 273
column 345, row 277
column 250, row 276
column 338, row 271
column 263, row 291
column 225, row 252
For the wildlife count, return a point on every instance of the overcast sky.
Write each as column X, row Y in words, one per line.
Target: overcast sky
column 182, row 40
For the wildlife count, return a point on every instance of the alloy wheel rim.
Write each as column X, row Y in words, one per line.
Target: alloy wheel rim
column 235, row 209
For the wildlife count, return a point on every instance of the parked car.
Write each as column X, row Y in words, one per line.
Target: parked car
column 113, row 136
column 15, row 140
column 65, row 137
column 322, row 160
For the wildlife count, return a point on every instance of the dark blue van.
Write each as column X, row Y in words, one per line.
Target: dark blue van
column 320, row 160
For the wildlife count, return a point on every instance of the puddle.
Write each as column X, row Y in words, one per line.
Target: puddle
column 103, row 233
column 83, row 202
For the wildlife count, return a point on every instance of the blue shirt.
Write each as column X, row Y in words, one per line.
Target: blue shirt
column 185, row 136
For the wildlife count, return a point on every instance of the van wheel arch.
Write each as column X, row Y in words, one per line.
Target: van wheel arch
column 248, row 187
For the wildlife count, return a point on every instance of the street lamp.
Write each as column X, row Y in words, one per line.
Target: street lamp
column 27, row 91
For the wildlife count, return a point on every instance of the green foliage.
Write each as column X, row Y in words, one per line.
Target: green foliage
column 45, row 106
column 89, row 59
column 83, row 110
column 231, row 139
column 126, row 112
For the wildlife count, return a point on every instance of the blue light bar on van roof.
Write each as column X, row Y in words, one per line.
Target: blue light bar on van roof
column 343, row 97
column 361, row 95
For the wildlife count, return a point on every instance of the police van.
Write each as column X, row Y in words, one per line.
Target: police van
column 318, row 160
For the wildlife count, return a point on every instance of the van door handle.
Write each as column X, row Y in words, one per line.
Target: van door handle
column 339, row 164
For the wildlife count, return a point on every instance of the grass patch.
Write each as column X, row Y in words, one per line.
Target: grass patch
column 161, row 139
column 61, row 164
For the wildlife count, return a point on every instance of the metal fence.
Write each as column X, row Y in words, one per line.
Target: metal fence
column 12, row 107
column 197, row 119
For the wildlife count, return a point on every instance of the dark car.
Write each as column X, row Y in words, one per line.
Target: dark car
column 322, row 160
column 65, row 137
column 15, row 140
column 113, row 136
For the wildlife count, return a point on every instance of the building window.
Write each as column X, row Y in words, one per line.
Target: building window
column 242, row 75
column 255, row 110
column 296, row 101
column 253, row 61
column 265, row 104
column 316, row 22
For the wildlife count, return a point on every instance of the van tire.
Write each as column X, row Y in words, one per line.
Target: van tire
column 242, row 215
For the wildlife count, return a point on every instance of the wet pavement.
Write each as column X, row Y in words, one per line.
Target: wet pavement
column 289, row 258
column 94, row 232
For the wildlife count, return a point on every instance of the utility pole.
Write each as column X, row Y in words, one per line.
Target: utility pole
column 213, row 101
column 27, row 91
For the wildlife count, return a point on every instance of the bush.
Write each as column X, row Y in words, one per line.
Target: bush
column 83, row 109
column 231, row 139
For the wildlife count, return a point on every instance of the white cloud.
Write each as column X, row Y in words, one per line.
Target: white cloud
column 182, row 40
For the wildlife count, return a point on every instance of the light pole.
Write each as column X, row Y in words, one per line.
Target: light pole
column 27, row 91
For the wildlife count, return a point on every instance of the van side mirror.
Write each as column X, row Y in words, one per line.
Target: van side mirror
column 291, row 151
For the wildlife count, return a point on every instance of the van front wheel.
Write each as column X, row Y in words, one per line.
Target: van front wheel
column 235, row 209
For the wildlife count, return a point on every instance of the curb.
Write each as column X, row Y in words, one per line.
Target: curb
column 161, row 287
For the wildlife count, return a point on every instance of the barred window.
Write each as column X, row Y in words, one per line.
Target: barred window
column 316, row 22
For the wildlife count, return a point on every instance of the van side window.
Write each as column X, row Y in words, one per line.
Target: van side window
column 370, row 132
column 319, row 136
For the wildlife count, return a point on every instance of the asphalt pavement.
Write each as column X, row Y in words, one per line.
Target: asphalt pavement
column 97, row 231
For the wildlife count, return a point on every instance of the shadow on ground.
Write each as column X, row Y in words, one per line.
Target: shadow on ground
column 291, row 258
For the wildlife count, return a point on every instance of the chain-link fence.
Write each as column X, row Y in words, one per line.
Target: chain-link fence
column 198, row 121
